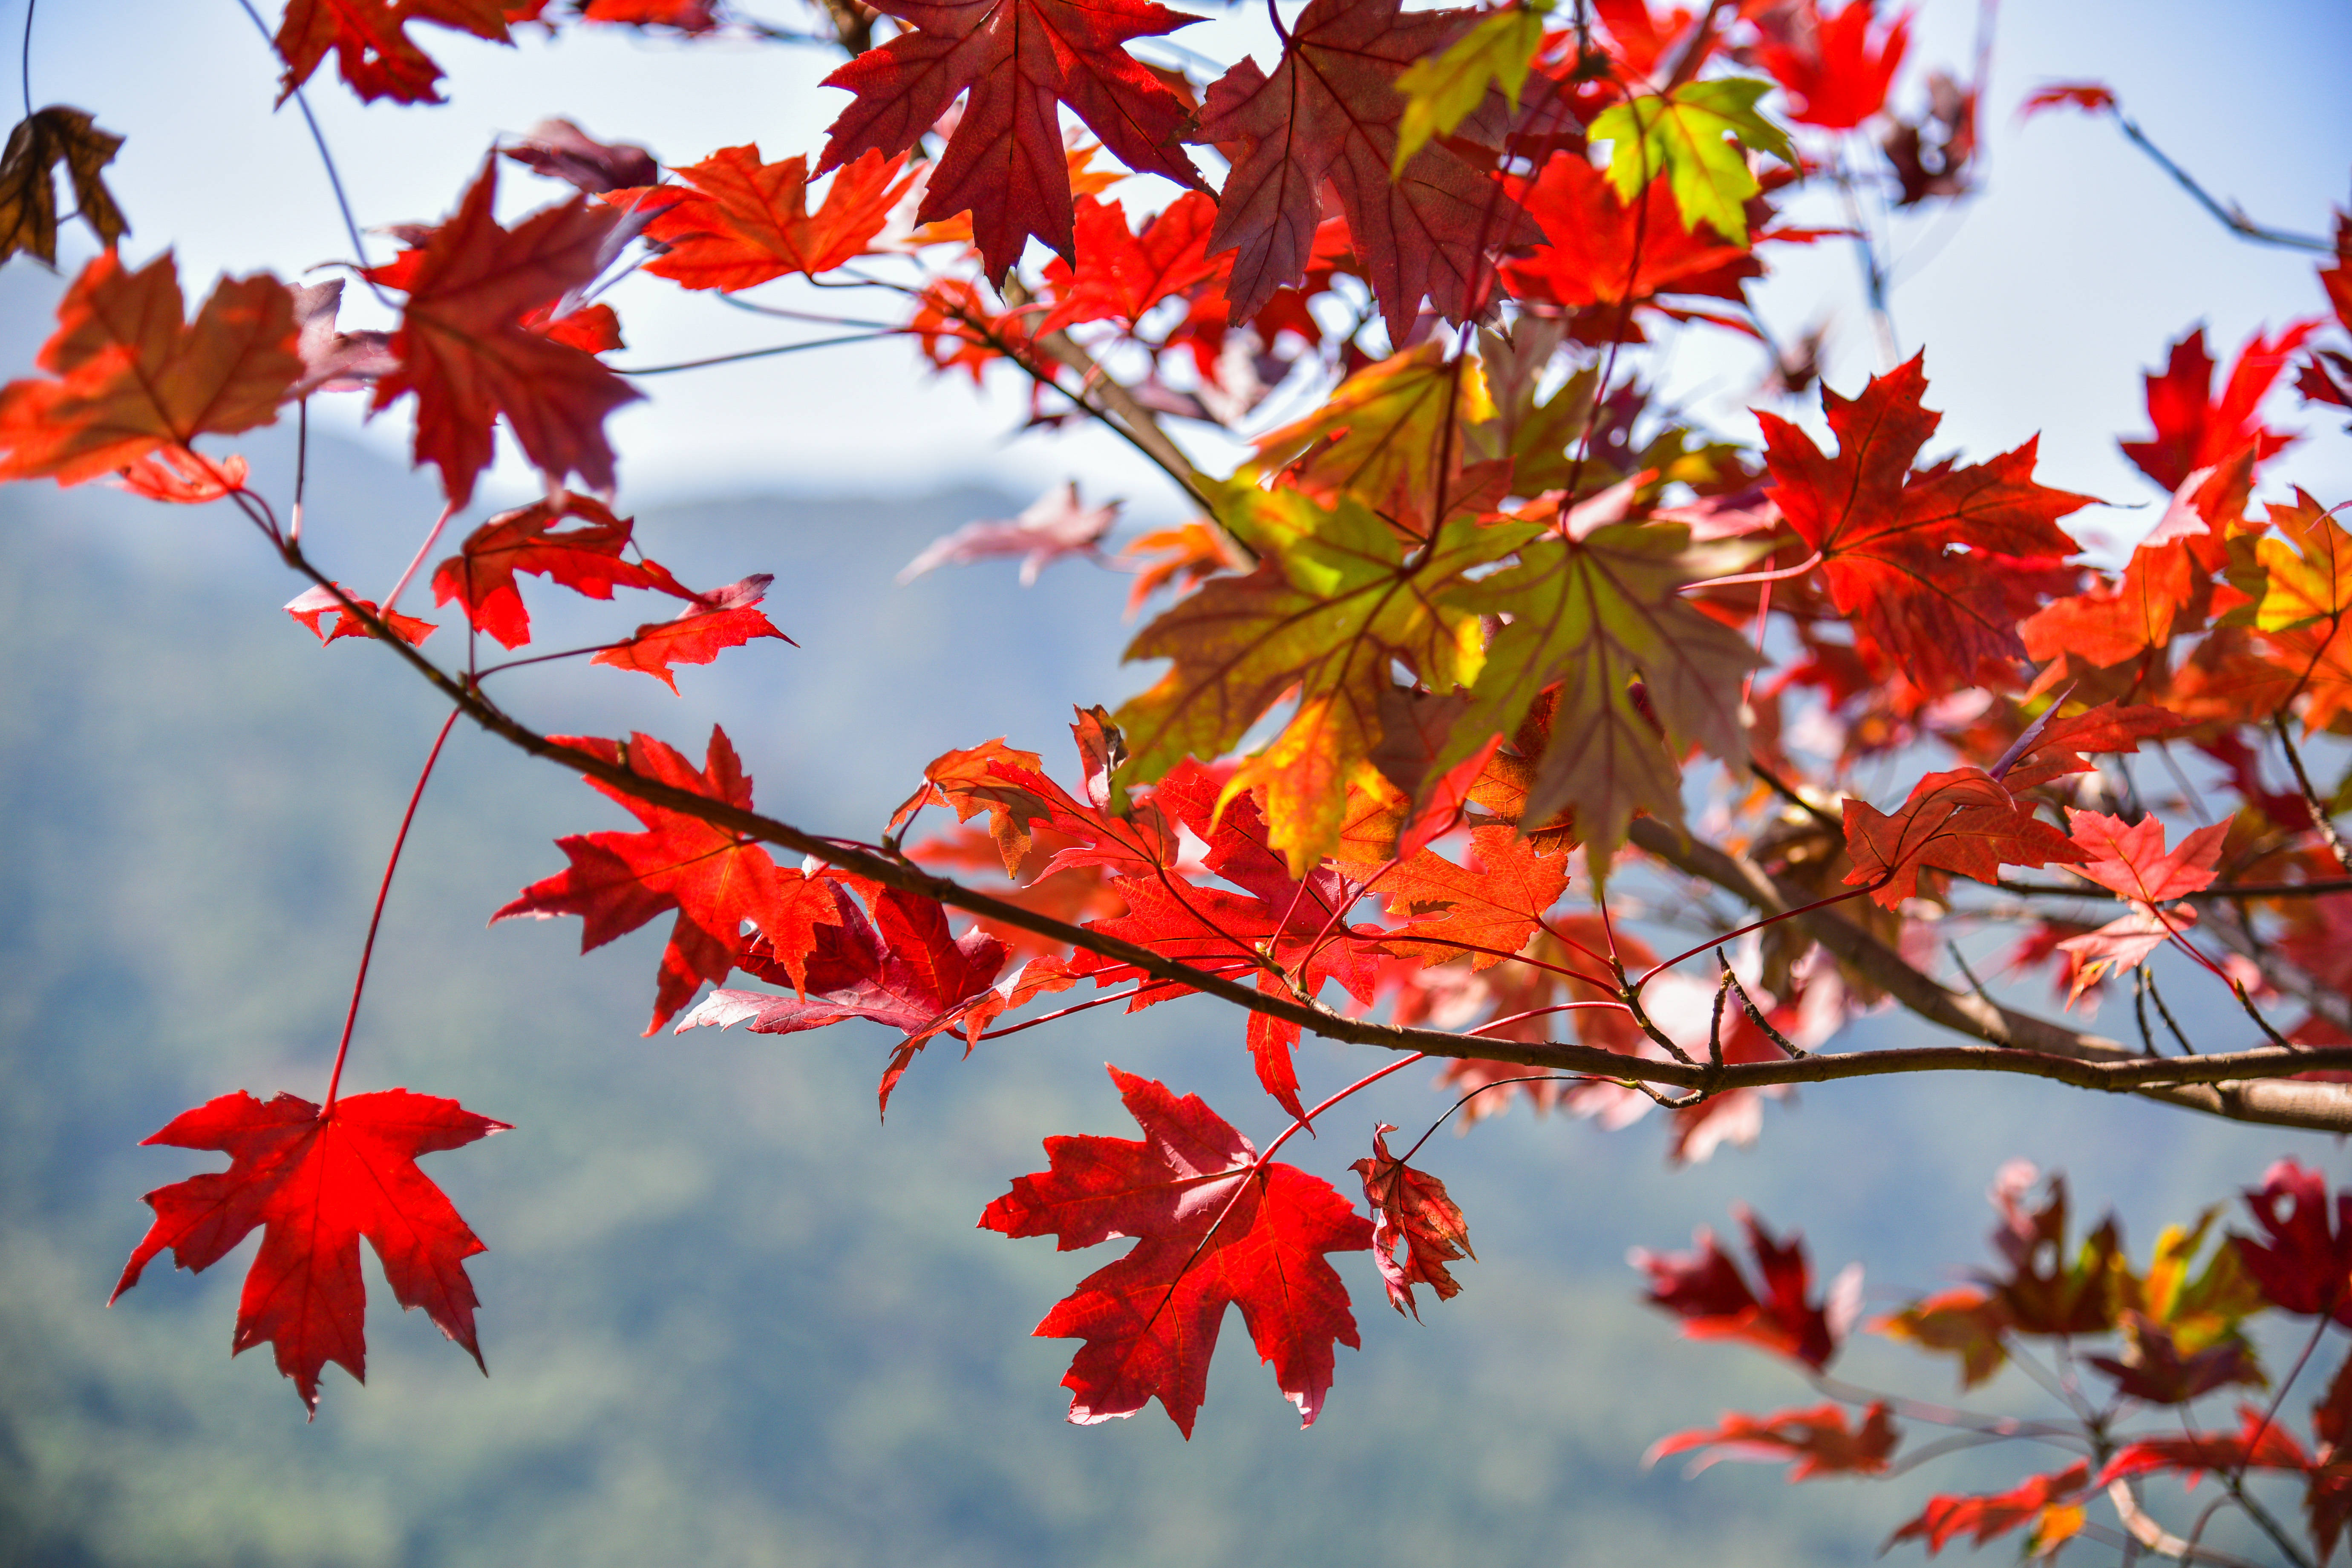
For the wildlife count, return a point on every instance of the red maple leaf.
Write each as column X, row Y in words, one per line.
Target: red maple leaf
column 1988, row 1517
column 2053, row 746
column 745, row 222
column 1907, row 553
column 1818, row 1440
column 1489, row 906
column 1705, row 1289
column 130, row 378
column 2259, row 1443
column 1213, row 1227
column 2303, row 1262
column 176, row 475
column 1832, row 65
column 371, row 44
column 686, row 16
column 2194, row 428
column 2090, row 96
column 2049, row 1290
column 1965, row 820
column 1120, row 275
column 1329, row 112
column 1023, row 59
column 1590, row 255
column 711, row 623
column 902, row 968
column 313, row 606
column 715, row 879
column 316, row 1182
column 2129, row 858
column 562, row 151
column 464, row 351
column 1279, row 933
column 1410, row 1207
column 585, row 556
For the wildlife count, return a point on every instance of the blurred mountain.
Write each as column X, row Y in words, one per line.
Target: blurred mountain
column 730, row 1320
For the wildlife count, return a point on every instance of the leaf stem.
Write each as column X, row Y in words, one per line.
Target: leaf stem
column 375, row 920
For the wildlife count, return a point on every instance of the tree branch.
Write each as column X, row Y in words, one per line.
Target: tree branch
column 2286, row 1104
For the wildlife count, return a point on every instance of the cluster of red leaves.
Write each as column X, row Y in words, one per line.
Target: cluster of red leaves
column 2179, row 1325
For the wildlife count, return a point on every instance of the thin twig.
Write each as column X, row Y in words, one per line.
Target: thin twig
column 2311, row 803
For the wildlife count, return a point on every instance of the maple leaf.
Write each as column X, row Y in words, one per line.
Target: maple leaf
column 1905, row 553
column 1012, row 786
column 745, row 222
column 28, row 190
column 372, row 45
column 1332, row 111
column 316, row 1182
column 585, row 556
column 710, row 623
column 2054, row 747
column 1602, row 250
column 2303, row 1262
column 1289, row 935
column 2129, row 858
column 2041, row 1499
column 1967, row 1321
column 175, row 474
column 1695, row 137
column 1706, row 1289
column 1410, row 1207
column 714, row 879
column 2043, row 1293
column 1489, row 905
column 686, row 16
column 1021, row 59
column 562, row 151
column 1334, row 606
column 465, row 354
column 1834, row 69
column 2110, row 624
column 2090, row 96
column 2259, row 1443
column 332, row 360
column 1818, row 1440
column 1441, row 90
column 902, row 968
column 1053, row 526
column 1121, row 275
column 131, row 379
column 2308, row 574
column 2194, row 428
column 1597, row 614
column 2154, row 1368
column 312, row 605
column 1963, row 820
column 1213, row 1227
column 1388, row 435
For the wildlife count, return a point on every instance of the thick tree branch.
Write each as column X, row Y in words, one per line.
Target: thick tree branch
column 2289, row 1104
column 2231, row 1085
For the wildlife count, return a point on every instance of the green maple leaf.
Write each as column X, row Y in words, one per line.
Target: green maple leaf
column 1440, row 90
column 1695, row 136
column 1334, row 605
column 1595, row 614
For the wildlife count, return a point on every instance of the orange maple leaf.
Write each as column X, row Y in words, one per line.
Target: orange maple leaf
column 130, row 378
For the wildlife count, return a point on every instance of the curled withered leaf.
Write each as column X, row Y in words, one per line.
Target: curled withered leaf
column 28, row 192
column 562, row 151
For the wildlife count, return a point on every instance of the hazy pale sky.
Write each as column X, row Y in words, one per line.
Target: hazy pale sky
column 2039, row 303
